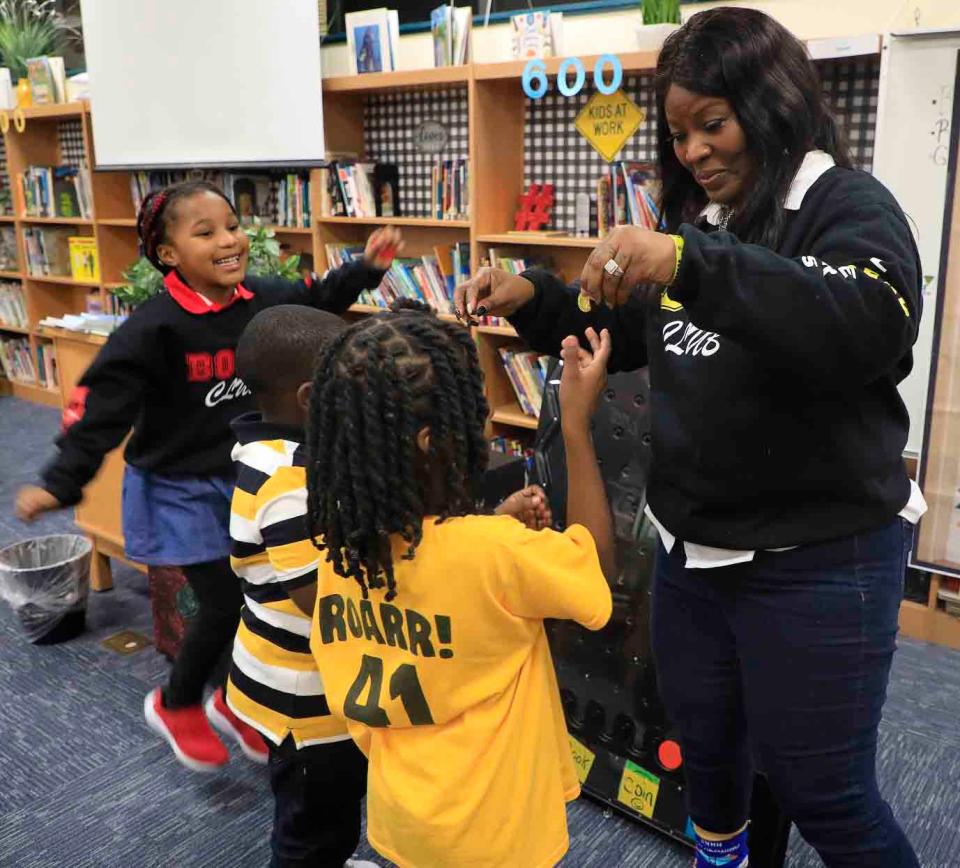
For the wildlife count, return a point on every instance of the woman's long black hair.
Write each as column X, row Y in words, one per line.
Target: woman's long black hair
column 756, row 64
column 376, row 385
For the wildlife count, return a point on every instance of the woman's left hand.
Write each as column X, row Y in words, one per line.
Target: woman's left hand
column 643, row 255
column 528, row 505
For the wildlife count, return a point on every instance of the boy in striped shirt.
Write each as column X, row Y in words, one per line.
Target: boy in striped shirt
column 317, row 774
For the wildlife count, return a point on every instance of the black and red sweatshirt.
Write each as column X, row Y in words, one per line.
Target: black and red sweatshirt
column 169, row 372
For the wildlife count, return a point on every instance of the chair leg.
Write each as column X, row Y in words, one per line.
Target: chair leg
column 101, row 574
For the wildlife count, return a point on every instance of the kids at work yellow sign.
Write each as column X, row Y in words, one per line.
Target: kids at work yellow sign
column 639, row 789
column 608, row 120
column 583, row 758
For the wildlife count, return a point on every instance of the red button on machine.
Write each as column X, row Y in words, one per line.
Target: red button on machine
column 669, row 755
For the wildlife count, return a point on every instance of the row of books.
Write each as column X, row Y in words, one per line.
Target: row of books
column 450, row 27
column 9, row 260
column 430, row 278
column 628, row 194
column 56, row 191
column 450, row 192
column 513, row 447
column 282, row 200
column 276, row 199
column 357, row 189
column 20, row 365
column 115, row 307
column 53, row 252
column 527, row 372
column 13, row 308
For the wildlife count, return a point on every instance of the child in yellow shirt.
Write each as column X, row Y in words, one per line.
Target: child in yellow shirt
column 428, row 629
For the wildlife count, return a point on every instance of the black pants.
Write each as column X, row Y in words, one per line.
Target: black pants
column 317, row 792
column 207, row 646
column 783, row 663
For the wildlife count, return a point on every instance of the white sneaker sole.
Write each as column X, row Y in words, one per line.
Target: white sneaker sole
column 224, row 726
column 157, row 725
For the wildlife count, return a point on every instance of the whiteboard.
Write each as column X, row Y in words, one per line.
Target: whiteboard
column 914, row 112
column 232, row 83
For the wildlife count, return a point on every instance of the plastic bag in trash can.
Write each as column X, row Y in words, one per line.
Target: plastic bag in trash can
column 46, row 582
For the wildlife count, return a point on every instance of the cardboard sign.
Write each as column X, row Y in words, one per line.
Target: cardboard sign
column 638, row 789
column 608, row 121
column 583, row 758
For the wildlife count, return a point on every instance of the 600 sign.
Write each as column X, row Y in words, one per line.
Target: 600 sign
column 535, row 82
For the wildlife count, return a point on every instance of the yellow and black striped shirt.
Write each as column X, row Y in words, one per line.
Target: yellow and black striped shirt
column 274, row 683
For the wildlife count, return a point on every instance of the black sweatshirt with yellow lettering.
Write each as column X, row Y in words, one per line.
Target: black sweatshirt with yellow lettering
column 775, row 411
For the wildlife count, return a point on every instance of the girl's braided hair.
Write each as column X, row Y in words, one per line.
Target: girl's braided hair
column 376, row 385
column 157, row 210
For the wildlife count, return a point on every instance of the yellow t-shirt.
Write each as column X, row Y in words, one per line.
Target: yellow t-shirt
column 450, row 690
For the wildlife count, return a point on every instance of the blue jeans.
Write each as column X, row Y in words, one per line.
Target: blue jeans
column 781, row 664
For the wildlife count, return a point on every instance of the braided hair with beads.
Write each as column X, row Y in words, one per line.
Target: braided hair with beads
column 376, row 386
column 159, row 208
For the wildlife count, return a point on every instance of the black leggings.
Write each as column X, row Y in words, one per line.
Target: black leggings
column 205, row 653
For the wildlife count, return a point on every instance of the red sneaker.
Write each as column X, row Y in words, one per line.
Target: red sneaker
column 222, row 717
column 188, row 732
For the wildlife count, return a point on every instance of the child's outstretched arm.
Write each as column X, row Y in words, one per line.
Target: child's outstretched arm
column 583, row 379
column 339, row 287
column 103, row 409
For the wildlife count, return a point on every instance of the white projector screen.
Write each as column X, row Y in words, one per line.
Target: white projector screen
column 231, row 83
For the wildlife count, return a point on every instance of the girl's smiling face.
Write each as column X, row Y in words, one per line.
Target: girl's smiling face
column 710, row 144
column 206, row 243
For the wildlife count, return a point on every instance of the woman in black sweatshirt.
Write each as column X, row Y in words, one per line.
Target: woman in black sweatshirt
column 778, row 315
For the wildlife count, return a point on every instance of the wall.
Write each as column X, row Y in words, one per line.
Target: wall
column 616, row 31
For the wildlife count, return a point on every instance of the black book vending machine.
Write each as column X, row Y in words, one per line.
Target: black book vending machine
column 627, row 754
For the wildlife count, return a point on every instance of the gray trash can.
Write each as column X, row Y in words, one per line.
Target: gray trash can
column 46, row 581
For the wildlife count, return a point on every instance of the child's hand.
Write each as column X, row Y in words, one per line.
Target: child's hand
column 528, row 505
column 382, row 246
column 583, row 379
column 33, row 501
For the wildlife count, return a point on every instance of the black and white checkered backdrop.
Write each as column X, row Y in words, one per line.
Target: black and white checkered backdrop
column 70, row 136
column 390, row 124
column 556, row 153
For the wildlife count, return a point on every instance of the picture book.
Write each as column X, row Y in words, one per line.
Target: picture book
column 441, row 28
column 368, row 39
column 84, row 264
column 40, row 76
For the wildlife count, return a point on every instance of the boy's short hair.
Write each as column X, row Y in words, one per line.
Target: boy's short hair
column 277, row 349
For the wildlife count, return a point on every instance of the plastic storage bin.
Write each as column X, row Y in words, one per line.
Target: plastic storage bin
column 46, row 581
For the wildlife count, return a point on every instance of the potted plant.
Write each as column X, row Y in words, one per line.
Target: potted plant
column 143, row 281
column 30, row 28
column 660, row 19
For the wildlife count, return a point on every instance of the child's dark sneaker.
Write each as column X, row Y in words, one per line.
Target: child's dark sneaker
column 222, row 717
column 188, row 732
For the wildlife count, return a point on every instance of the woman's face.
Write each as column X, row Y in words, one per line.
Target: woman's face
column 710, row 143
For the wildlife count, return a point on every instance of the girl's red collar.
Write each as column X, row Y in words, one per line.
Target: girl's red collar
column 193, row 302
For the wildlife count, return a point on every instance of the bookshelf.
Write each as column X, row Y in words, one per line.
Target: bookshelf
column 496, row 126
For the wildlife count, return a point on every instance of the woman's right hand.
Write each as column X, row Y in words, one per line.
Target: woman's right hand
column 491, row 292
column 33, row 501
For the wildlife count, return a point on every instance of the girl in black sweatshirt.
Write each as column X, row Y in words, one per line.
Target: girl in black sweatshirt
column 781, row 306
column 169, row 372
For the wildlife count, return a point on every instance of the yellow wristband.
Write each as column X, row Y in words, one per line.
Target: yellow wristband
column 678, row 243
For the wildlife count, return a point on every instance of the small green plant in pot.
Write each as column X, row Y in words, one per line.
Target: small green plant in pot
column 661, row 11
column 30, row 28
column 659, row 19
column 143, row 281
